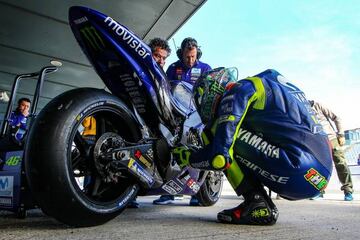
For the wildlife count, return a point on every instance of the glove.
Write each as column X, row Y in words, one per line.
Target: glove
column 341, row 140
column 181, row 155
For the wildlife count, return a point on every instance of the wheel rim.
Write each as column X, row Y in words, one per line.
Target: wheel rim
column 91, row 179
column 214, row 184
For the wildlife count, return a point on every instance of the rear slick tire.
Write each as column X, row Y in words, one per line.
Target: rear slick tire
column 58, row 162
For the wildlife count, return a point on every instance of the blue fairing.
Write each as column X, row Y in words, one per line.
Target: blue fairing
column 125, row 64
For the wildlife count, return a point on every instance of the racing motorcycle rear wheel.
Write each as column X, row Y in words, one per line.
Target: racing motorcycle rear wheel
column 69, row 179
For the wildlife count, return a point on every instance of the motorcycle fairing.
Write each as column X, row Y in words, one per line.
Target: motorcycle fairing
column 124, row 63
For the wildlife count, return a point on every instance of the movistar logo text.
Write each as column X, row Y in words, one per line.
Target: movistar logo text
column 127, row 37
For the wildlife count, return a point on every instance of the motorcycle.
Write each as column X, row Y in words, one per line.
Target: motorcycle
column 138, row 121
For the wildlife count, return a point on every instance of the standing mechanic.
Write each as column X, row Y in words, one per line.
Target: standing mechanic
column 188, row 68
column 260, row 131
column 337, row 138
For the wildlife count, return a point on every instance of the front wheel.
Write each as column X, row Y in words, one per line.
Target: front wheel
column 69, row 179
column 210, row 190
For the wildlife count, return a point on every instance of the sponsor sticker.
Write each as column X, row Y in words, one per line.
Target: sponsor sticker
column 142, row 159
column 13, row 161
column 80, row 20
column 316, row 179
column 172, row 187
column 193, row 185
column 6, row 186
column 178, row 71
column 138, row 170
column 6, row 201
column 126, row 36
column 196, row 71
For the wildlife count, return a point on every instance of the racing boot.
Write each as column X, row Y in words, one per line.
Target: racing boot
column 257, row 209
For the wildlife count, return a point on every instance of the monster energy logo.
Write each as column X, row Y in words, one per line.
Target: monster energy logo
column 93, row 38
column 215, row 87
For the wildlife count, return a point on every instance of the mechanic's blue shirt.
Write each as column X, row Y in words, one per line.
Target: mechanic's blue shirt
column 266, row 124
column 179, row 71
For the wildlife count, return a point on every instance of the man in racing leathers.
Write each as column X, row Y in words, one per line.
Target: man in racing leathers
column 17, row 122
column 259, row 131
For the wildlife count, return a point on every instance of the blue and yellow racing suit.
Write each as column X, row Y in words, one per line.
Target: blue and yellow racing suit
column 265, row 132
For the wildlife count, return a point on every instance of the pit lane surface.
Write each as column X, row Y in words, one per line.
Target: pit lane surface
column 323, row 219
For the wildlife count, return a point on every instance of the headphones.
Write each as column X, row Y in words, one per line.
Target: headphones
column 188, row 43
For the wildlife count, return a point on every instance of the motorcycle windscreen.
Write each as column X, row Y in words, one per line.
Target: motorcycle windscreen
column 124, row 63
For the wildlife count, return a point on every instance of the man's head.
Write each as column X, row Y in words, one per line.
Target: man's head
column 189, row 52
column 160, row 50
column 209, row 88
column 24, row 106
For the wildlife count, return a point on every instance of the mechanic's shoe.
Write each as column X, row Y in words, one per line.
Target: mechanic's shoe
column 133, row 204
column 256, row 211
column 318, row 197
column 164, row 200
column 348, row 196
column 194, row 201
column 178, row 197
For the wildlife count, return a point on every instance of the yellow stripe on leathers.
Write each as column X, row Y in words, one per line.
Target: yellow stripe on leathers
column 234, row 173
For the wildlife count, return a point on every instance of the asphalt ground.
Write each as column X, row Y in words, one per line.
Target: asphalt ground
column 327, row 218
column 306, row 219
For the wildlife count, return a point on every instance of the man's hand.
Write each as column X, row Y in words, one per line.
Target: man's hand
column 341, row 140
column 181, row 155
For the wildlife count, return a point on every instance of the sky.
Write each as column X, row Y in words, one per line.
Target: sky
column 313, row 43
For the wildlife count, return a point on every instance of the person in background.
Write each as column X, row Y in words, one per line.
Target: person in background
column 336, row 136
column 18, row 119
column 160, row 51
column 188, row 68
column 18, row 127
column 260, row 131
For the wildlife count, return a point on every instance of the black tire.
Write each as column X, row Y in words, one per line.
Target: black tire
column 56, row 157
column 210, row 190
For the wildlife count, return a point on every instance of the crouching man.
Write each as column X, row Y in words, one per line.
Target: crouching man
column 260, row 131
